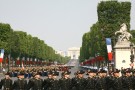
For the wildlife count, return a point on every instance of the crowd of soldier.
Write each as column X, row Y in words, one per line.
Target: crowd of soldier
column 96, row 80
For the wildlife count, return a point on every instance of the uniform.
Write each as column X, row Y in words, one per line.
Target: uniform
column 54, row 83
column 20, row 84
column 6, row 83
column 101, row 82
column 79, row 83
column 127, row 80
column 35, row 83
column 65, row 82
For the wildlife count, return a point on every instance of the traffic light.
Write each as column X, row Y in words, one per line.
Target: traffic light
column 132, row 58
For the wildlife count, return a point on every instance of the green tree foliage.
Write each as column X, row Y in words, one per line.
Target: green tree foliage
column 20, row 44
column 5, row 37
column 111, row 14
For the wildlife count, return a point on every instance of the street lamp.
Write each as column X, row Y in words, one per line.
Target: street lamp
column 132, row 55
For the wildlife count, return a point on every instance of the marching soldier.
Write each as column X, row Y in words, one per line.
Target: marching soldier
column 6, row 83
column 36, row 83
column 91, row 80
column 20, row 83
column 55, row 82
column 116, row 81
column 127, row 80
column 65, row 81
column 73, row 80
column 101, row 82
column 79, row 83
column 47, row 82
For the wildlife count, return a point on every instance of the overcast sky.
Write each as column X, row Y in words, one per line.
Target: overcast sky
column 60, row 23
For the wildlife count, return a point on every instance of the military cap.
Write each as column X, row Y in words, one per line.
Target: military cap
column 55, row 73
column 116, row 71
column 66, row 73
column 36, row 74
column 80, row 72
column 133, row 71
column 128, row 70
column 49, row 73
column 102, row 71
column 92, row 71
column 21, row 73
column 7, row 73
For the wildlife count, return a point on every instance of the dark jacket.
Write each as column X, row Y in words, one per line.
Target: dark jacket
column 65, row 84
column 35, row 84
column 6, row 84
column 20, row 84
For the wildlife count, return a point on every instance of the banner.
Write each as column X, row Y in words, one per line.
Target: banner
column 109, row 48
column 1, row 55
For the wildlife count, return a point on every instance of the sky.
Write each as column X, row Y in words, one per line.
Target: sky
column 60, row 23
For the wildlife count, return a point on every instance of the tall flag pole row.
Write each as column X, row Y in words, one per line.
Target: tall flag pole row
column 1, row 55
column 109, row 48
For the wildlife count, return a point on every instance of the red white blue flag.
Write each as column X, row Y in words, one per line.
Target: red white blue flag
column 1, row 55
column 109, row 48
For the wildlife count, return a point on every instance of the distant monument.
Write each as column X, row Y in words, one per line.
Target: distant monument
column 122, row 48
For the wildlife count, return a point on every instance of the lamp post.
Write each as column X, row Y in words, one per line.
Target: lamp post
column 132, row 55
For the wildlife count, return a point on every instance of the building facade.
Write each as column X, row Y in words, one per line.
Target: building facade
column 73, row 52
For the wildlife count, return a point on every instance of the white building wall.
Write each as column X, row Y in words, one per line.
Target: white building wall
column 122, row 55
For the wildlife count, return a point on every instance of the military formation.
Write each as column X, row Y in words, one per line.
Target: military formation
column 96, row 80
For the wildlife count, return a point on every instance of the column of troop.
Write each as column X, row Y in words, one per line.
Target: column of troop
column 96, row 80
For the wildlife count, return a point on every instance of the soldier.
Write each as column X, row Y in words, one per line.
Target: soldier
column 127, row 80
column 6, row 82
column 47, row 82
column 101, row 82
column 79, row 83
column 20, row 83
column 73, row 80
column 133, row 71
column 36, row 83
column 116, row 81
column 65, row 81
column 54, row 81
column 91, row 80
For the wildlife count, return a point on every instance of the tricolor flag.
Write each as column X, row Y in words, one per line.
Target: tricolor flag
column 109, row 48
column 1, row 55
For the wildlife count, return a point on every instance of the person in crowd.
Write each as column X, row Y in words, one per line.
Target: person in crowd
column 36, row 83
column 6, row 83
column 47, row 81
column 116, row 80
column 79, row 82
column 91, row 80
column 127, row 80
column 65, row 81
column 20, row 83
column 101, row 82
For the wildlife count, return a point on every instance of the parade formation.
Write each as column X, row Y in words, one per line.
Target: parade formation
column 47, row 79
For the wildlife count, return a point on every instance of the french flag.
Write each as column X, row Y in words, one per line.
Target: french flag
column 109, row 48
column 1, row 55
